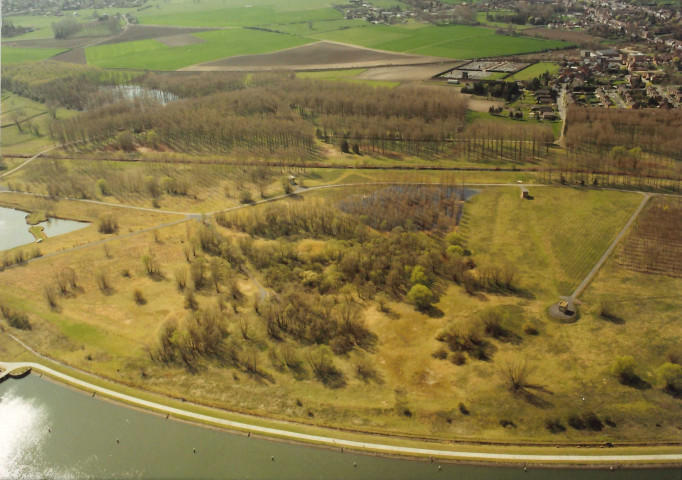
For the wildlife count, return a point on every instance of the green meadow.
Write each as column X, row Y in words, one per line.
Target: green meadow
column 17, row 54
column 453, row 41
column 534, row 71
column 153, row 55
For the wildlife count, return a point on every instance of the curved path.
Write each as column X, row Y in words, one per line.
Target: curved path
column 28, row 161
column 330, row 441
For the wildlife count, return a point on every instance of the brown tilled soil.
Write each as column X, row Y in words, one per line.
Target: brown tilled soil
column 147, row 32
column 573, row 36
column 75, row 55
column 319, row 55
column 180, row 40
column 410, row 73
column 52, row 42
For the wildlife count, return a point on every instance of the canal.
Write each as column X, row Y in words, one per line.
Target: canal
column 50, row 431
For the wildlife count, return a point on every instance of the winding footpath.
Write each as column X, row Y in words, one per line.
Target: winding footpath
column 335, row 442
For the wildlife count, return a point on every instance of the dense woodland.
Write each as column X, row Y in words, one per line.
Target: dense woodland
column 59, row 84
column 607, row 144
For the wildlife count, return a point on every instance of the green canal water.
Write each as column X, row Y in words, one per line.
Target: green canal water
column 50, row 431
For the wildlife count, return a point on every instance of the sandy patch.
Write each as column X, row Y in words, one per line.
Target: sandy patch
column 180, row 40
column 408, row 73
column 315, row 56
column 75, row 55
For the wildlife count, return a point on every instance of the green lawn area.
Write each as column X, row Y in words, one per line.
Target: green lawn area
column 481, row 18
column 42, row 26
column 554, row 240
column 304, row 28
column 16, row 54
column 153, row 55
column 534, row 71
column 453, row 41
column 221, row 14
column 332, row 74
column 346, row 76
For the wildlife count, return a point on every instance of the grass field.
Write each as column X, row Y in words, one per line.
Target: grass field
column 346, row 76
column 534, row 71
column 456, row 41
column 232, row 13
column 17, row 54
column 15, row 141
column 561, row 233
column 316, row 27
column 106, row 334
column 153, row 55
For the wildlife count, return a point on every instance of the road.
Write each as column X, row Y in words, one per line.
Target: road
column 336, row 442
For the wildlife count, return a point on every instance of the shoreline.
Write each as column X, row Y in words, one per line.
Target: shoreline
column 629, row 461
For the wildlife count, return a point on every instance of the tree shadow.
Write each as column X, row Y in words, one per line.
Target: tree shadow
column 635, row 381
column 673, row 392
column 534, row 398
column 434, row 312
column 613, row 318
column 331, row 378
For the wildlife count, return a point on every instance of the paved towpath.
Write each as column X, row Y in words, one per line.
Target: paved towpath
column 336, row 442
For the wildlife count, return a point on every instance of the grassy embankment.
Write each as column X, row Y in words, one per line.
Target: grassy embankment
column 497, row 225
column 27, row 140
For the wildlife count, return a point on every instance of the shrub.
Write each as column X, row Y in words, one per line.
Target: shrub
column 530, row 329
column 138, row 296
column 576, row 421
column 421, row 296
column 593, row 422
column 457, row 358
column 554, row 425
column 623, row 367
column 246, row 197
column 14, row 318
column 51, row 296
column 440, row 354
column 670, row 375
column 107, row 224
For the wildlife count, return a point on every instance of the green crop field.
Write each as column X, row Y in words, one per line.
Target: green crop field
column 316, row 27
column 16, row 54
column 42, row 26
column 153, row 55
column 534, row 71
column 231, row 13
column 455, row 41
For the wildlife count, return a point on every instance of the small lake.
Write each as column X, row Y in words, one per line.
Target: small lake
column 14, row 229
column 50, row 431
column 131, row 92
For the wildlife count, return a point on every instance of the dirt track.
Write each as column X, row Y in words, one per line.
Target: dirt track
column 149, row 32
column 322, row 55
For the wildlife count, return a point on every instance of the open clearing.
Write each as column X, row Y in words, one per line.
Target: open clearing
column 147, row 32
column 498, row 226
column 406, row 73
column 16, row 54
column 572, row 36
column 455, row 41
column 315, row 56
column 534, row 71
